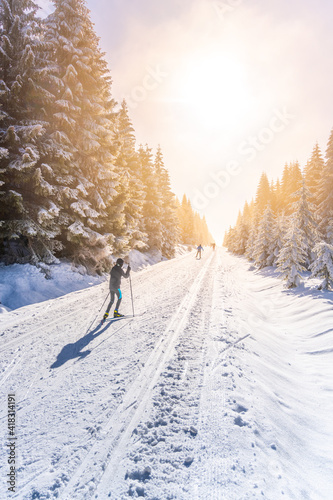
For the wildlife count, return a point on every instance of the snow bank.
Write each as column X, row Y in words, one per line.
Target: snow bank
column 139, row 260
column 3, row 309
column 183, row 249
column 24, row 284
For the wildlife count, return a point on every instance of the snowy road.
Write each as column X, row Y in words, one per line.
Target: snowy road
column 222, row 389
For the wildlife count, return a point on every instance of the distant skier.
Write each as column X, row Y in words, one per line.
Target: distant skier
column 213, row 246
column 199, row 249
column 116, row 274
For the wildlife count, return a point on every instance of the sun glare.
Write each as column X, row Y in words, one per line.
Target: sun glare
column 214, row 87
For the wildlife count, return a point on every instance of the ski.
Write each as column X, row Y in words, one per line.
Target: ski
column 126, row 316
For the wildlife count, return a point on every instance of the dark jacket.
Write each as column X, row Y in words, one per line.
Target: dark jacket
column 116, row 274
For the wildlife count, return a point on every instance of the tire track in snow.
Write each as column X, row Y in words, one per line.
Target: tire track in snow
column 119, row 427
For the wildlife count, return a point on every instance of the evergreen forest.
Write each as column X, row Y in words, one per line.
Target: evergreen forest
column 289, row 224
column 73, row 182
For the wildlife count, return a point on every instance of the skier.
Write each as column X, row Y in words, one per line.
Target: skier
column 199, row 248
column 116, row 273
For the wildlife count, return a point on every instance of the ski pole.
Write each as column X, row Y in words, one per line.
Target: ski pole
column 131, row 294
column 104, row 302
column 93, row 321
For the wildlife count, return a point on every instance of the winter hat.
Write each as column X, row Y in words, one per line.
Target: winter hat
column 120, row 262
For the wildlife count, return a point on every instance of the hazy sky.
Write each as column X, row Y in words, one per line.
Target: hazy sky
column 228, row 88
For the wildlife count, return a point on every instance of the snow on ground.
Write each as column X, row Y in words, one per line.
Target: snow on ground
column 139, row 260
column 24, row 284
column 220, row 388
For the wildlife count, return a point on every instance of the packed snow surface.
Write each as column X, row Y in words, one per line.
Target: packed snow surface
column 221, row 387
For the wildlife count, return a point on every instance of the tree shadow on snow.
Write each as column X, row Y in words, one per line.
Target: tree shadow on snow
column 72, row 351
column 307, row 288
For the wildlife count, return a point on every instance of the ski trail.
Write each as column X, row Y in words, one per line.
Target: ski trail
column 67, row 307
column 62, row 311
column 64, row 390
column 166, row 434
column 12, row 366
column 122, row 423
column 212, row 404
column 213, row 444
column 39, row 329
column 46, row 374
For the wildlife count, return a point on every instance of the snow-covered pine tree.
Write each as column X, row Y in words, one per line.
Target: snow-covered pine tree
column 263, row 195
column 279, row 235
column 168, row 216
column 82, row 120
column 322, row 265
column 263, row 252
column 285, row 188
column 201, row 232
column 230, row 240
column 151, row 224
column 296, row 178
column 274, row 197
column 237, row 239
column 329, row 229
column 305, row 221
column 251, row 242
column 253, row 232
column 130, row 189
column 325, row 208
column 243, row 229
column 207, row 238
column 240, row 235
column 313, row 173
column 4, row 153
column 291, row 182
column 292, row 256
column 186, row 222
column 226, row 239
column 277, row 207
column 29, row 205
column 198, row 233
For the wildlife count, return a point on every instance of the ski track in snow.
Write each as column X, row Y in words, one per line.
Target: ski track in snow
column 222, row 390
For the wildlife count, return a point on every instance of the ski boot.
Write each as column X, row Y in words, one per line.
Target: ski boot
column 117, row 314
column 106, row 315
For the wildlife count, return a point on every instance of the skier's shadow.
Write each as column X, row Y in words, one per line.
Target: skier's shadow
column 72, row 351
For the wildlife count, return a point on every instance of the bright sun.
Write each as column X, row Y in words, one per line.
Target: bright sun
column 214, row 86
